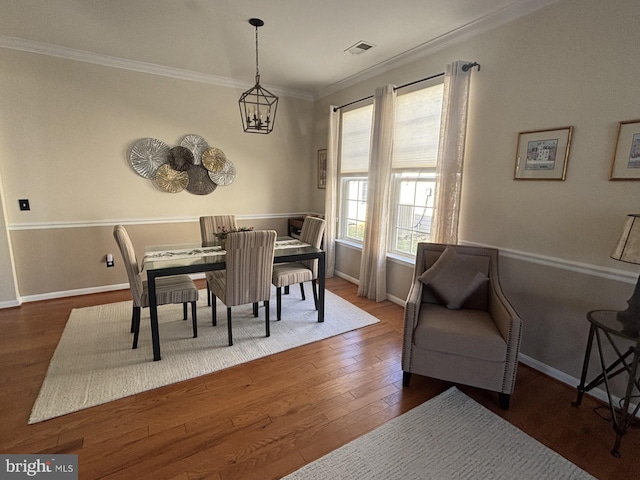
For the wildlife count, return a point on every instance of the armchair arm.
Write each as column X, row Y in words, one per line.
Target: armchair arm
column 412, row 305
column 411, row 312
column 509, row 324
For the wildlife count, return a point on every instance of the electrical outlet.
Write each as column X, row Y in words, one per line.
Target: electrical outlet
column 24, row 204
column 110, row 262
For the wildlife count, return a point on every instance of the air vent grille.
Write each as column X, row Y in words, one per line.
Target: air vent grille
column 360, row 47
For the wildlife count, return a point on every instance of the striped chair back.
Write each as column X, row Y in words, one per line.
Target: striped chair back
column 311, row 233
column 249, row 265
column 130, row 263
column 211, row 225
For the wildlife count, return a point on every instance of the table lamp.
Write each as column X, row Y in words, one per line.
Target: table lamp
column 628, row 250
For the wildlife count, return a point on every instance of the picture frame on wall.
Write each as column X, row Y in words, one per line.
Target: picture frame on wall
column 322, row 168
column 626, row 155
column 543, row 154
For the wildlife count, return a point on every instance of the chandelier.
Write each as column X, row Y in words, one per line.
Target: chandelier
column 258, row 105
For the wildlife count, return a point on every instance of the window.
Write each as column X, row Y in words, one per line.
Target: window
column 413, row 200
column 415, row 152
column 355, row 140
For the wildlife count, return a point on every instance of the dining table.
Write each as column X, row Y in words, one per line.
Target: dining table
column 192, row 258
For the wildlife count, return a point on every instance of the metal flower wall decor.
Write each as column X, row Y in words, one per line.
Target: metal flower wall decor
column 193, row 165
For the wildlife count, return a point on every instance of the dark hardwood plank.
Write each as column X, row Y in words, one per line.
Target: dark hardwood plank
column 266, row 418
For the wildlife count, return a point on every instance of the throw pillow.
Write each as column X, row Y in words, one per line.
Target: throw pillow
column 452, row 278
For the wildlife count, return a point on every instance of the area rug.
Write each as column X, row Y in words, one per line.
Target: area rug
column 94, row 362
column 448, row 437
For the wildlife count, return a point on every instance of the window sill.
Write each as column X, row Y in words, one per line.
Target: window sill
column 394, row 257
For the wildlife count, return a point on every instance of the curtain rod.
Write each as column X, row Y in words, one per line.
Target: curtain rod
column 466, row 67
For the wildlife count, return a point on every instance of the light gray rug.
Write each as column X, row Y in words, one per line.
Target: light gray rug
column 94, row 362
column 448, row 437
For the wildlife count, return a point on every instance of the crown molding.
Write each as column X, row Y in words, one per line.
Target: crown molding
column 15, row 43
column 471, row 29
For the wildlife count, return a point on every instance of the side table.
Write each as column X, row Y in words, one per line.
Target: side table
column 605, row 323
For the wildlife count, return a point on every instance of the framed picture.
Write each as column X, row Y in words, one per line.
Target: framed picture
column 322, row 168
column 543, row 154
column 626, row 156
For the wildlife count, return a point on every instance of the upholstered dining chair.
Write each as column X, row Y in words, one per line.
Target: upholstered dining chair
column 458, row 324
column 209, row 226
column 285, row 274
column 247, row 277
column 174, row 289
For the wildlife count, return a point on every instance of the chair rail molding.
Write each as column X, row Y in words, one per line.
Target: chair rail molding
column 138, row 221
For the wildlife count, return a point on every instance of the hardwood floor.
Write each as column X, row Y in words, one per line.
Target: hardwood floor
column 266, row 418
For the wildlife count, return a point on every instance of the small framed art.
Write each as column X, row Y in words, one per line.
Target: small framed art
column 543, row 154
column 322, row 168
column 626, row 156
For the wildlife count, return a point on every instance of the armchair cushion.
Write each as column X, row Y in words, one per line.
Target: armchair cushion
column 469, row 333
column 453, row 279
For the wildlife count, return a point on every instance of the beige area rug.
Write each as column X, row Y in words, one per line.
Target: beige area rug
column 448, row 437
column 94, row 362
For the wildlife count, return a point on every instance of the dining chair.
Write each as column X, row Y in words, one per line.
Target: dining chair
column 209, row 226
column 247, row 277
column 285, row 274
column 169, row 290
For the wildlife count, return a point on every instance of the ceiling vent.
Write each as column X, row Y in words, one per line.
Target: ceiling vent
column 360, row 47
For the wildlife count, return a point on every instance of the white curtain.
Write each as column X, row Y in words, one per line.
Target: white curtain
column 331, row 193
column 373, row 266
column 451, row 154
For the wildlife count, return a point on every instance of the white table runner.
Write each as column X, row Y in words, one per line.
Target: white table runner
column 173, row 254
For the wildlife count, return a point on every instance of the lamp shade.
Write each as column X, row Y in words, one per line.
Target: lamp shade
column 628, row 248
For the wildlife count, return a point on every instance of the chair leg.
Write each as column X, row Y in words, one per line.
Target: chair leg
column 133, row 319
column 406, row 378
column 266, row 316
column 503, row 399
column 255, row 309
column 136, row 326
column 278, row 303
column 314, row 287
column 229, row 332
column 184, row 311
column 208, row 295
column 286, row 290
column 302, row 291
column 194, row 319
column 214, row 320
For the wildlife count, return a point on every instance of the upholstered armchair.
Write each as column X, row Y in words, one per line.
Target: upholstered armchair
column 285, row 274
column 458, row 325
column 174, row 289
column 247, row 277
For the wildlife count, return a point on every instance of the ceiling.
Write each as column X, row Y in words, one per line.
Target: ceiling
column 301, row 46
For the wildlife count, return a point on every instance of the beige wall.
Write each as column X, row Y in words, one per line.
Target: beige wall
column 8, row 291
column 569, row 64
column 66, row 128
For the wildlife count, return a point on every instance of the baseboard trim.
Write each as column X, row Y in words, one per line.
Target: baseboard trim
column 84, row 291
column 562, row 377
column 10, row 304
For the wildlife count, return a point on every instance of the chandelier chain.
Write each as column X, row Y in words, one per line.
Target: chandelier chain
column 257, row 70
